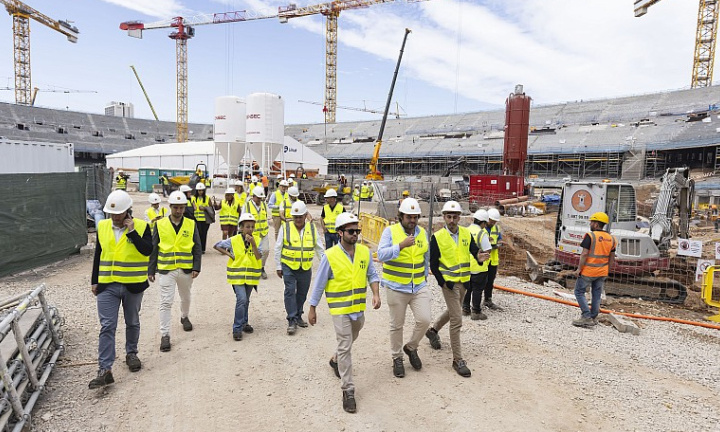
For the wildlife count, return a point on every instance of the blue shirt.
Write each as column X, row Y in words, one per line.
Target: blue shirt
column 388, row 251
column 324, row 274
column 488, row 229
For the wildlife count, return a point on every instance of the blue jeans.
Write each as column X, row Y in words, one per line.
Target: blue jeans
column 297, row 285
column 580, row 288
column 242, row 304
column 331, row 239
column 108, row 304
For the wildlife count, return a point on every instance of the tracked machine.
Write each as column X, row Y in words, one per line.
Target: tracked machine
column 640, row 258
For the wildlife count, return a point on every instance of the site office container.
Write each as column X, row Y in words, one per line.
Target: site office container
column 487, row 188
column 147, row 178
column 35, row 157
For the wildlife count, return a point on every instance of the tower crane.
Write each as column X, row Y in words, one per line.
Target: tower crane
column 21, row 14
column 331, row 10
column 185, row 30
column 397, row 113
column 705, row 38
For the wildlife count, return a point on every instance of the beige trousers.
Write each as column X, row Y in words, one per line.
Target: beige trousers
column 276, row 224
column 453, row 313
column 346, row 331
column 167, row 296
column 420, row 304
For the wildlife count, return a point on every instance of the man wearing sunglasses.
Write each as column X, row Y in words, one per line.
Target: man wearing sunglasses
column 403, row 250
column 343, row 275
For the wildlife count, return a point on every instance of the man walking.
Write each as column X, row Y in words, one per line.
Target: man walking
column 451, row 250
column 296, row 246
column 496, row 242
column 343, row 275
column 165, row 183
column 177, row 255
column 330, row 212
column 277, row 199
column 119, row 277
column 403, row 250
column 256, row 206
column 595, row 261
column 478, row 272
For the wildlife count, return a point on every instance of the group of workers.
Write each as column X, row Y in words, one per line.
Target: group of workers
column 464, row 260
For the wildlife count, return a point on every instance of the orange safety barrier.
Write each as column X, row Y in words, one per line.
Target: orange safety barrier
column 372, row 228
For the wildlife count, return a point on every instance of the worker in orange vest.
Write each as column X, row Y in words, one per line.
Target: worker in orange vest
column 595, row 261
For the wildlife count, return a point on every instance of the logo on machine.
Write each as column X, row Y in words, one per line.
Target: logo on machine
column 219, row 117
column 253, row 116
column 582, row 200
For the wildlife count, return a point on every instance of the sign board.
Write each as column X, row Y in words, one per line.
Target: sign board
column 691, row 248
column 717, row 251
column 702, row 264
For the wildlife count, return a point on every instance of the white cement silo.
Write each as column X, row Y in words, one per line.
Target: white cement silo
column 229, row 134
column 265, row 127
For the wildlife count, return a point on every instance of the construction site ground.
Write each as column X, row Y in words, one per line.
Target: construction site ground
column 531, row 368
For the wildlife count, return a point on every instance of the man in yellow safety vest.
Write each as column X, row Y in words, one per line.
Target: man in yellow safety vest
column 177, row 256
column 343, row 275
column 154, row 213
column 256, row 206
column 119, row 277
column 277, row 199
column 478, row 271
column 330, row 212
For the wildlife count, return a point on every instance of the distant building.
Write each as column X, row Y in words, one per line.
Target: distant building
column 120, row 109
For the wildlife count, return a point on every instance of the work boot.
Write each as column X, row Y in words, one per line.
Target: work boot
column 398, row 367
column 434, row 338
column 478, row 316
column 263, row 274
column 248, row 328
column 237, row 335
column 415, row 361
column 165, row 343
column 465, row 310
column 461, row 368
column 301, row 322
column 492, row 306
column 334, row 365
column 583, row 322
column 349, row 402
column 103, row 378
column 187, row 325
column 133, row 362
column 292, row 328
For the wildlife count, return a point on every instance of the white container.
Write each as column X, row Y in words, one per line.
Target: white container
column 35, row 157
column 229, row 119
column 265, row 118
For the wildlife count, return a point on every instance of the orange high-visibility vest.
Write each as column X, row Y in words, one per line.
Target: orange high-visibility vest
column 601, row 245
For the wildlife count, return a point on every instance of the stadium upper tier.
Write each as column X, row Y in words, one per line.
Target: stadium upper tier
column 657, row 121
column 94, row 133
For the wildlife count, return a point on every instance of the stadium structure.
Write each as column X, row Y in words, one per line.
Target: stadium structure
column 621, row 138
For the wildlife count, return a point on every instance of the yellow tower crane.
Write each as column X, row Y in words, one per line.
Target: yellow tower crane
column 21, row 14
column 705, row 37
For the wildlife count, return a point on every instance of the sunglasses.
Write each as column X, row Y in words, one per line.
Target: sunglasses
column 352, row 231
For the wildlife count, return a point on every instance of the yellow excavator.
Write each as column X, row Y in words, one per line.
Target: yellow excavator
column 373, row 173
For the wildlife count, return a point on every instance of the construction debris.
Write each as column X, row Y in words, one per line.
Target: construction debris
column 623, row 325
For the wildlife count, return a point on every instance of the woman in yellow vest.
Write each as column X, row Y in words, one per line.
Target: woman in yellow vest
column 154, row 213
column 229, row 214
column 595, row 261
column 257, row 207
column 496, row 241
column 343, row 275
column 296, row 246
column 240, row 194
column 451, row 250
column 177, row 256
column 119, row 277
column 243, row 271
column 200, row 201
column 330, row 212
column 478, row 271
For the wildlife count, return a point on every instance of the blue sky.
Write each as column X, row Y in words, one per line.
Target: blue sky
column 462, row 55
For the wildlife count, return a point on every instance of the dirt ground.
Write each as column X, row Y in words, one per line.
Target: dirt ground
column 272, row 381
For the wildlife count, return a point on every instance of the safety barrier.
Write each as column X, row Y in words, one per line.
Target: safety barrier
column 372, row 228
column 710, row 292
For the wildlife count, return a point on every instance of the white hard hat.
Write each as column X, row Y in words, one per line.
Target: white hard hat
column 120, row 171
column 284, row 183
column 279, row 176
column 154, row 198
column 117, row 202
column 330, row 193
column 410, row 206
column 451, row 207
column 230, row 191
column 481, row 215
column 254, row 178
column 357, row 186
column 259, row 191
column 494, row 214
column 199, row 186
column 246, row 217
column 185, row 188
column 177, row 197
column 298, row 208
column 293, row 192
column 344, row 219
column 292, row 175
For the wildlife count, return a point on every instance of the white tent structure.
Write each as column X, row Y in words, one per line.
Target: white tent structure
column 187, row 155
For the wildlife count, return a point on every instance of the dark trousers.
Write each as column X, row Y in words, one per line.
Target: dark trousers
column 475, row 290
column 297, row 285
column 166, row 190
column 491, row 273
column 108, row 304
column 331, row 239
column 203, row 229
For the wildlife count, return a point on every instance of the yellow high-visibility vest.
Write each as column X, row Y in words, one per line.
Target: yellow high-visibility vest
column 454, row 257
column 287, row 206
column 245, row 269
column 478, row 234
column 120, row 261
column 175, row 250
column 261, row 224
column 240, row 199
column 196, row 203
column 494, row 253
column 347, row 290
column 151, row 213
column 229, row 213
column 409, row 266
column 331, row 215
column 121, row 183
column 279, row 199
column 298, row 252
column 364, row 192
